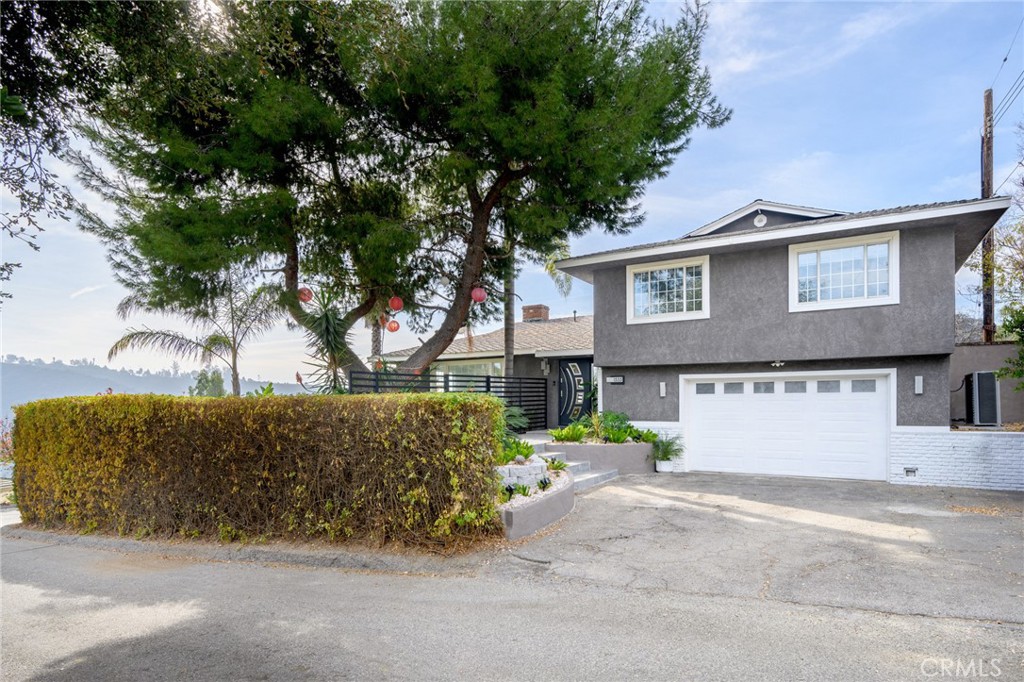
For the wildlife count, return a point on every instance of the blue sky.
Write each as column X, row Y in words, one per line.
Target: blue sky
column 843, row 105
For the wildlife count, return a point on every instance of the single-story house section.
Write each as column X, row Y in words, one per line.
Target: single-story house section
column 559, row 350
column 800, row 341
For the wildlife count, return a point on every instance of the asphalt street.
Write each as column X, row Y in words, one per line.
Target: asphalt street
column 651, row 578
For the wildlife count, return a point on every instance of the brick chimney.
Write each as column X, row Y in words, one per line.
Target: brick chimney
column 535, row 313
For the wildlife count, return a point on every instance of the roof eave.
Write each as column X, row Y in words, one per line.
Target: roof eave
column 582, row 267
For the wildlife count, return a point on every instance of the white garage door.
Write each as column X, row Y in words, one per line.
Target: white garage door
column 826, row 426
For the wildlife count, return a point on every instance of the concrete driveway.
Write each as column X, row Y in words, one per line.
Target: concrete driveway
column 652, row 578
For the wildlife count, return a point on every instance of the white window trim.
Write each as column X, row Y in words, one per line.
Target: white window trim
column 893, row 239
column 705, row 305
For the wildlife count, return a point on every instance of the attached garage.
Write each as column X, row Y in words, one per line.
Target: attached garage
column 821, row 425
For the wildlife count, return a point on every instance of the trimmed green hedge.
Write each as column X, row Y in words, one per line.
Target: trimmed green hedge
column 412, row 467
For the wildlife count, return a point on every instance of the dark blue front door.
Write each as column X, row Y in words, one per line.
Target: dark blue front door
column 574, row 384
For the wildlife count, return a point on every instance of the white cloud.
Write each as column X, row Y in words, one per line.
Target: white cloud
column 86, row 290
column 806, row 39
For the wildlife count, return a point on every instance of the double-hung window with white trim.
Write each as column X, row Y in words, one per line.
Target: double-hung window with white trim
column 845, row 273
column 667, row 291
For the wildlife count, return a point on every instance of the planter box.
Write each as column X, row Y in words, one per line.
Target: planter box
column 628, row 458
column 537, row 512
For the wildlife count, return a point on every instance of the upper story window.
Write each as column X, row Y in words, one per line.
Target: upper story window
column 666, row 291
column 845, row 273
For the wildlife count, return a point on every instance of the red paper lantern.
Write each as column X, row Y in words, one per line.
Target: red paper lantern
column 478, row 294
column 305, row 294
column 393, row 326
column 395, row 303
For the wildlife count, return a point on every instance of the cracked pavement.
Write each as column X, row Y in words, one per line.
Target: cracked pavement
column 653, row 577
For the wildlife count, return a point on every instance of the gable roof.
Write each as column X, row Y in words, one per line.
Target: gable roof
column 762, row 205
column 974, row 218
column 553, row 337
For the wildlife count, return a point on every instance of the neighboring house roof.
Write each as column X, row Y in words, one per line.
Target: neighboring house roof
column 549, row 338
column 974, row 216
column 759, row 205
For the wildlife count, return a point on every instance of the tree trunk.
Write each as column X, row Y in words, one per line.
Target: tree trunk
column 236, row 384
column 472, row 268
column 294, row 307
column 510, row 307
column 376, row 340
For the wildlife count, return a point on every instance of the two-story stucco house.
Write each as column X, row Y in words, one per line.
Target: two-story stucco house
column 789, row 340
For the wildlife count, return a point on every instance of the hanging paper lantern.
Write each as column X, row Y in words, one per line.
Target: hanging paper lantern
column 395, row 303
column 478, row 294
column 305, row 294
column 393, row 326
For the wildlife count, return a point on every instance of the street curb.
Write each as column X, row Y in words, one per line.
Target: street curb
column 382, row 560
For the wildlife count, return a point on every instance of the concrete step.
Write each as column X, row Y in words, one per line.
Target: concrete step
column 551, row 455
column 593, row 478
column 578, row 468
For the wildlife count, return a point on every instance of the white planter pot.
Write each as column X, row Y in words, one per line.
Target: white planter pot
column 665, row 467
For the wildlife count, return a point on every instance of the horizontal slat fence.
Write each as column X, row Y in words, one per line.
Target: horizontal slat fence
column 529, row 393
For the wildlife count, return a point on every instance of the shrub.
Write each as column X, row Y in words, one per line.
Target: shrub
column 599, row 424
column 573, row 433
column 412, row 467
column 516, row 420
column 667, row 448
column 6, row 442
column 645, row 436
column 616, row 435
column 512, row 447
column 618, row 421
column 557, row 464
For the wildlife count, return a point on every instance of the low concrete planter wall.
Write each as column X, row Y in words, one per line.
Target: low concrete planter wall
column 531, row 515
column 628, row 458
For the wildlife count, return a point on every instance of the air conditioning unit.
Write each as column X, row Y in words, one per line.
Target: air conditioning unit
column 982, row 394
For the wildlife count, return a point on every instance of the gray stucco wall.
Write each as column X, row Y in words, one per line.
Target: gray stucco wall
column 750, row 319
column 530, row 366
column 984, row 358
column 639, row 395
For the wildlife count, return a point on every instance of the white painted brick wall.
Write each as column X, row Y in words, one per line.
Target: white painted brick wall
column 668, row 429
column 963, row 459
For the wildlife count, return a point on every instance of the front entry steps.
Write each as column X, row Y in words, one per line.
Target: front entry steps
column 583, row 476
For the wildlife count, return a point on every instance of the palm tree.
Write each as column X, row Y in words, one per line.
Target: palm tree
column 240, row 315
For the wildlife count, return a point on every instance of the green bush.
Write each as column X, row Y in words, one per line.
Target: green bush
column 418, row 468
column 512, row 447
column 616, row 435
column 573, row 433
column 667, row 448
column 557, row 464
column 599, row 424
column 645, row 436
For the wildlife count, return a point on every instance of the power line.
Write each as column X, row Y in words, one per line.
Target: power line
column 1010, row 89
column 1019, row 165
column 1009, row 98
column 1008, row 50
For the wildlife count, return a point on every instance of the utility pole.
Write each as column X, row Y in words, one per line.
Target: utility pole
column 988, row 329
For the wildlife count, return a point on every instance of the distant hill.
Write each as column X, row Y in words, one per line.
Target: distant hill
column 22, row 382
